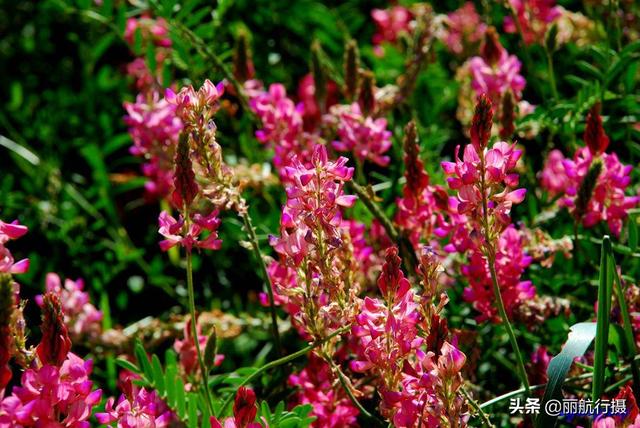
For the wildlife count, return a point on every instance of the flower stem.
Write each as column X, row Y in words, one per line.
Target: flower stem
column 473, row 403
column 507, row 325
column 491, row 261
column 552, row 77
column 194, row 330
column 279, row 362
column 272, row 305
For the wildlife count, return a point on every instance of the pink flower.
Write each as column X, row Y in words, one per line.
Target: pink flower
column 534, row 17
column 317, row 386
column 154, row 128
column 511, row 262
column 311, row 111
column 144, row 409
column 282, row 126
column 153, row 30
column 608, row 202
column 496, row 79
column 177, row 232
column 8, row 232
column 390, row 23
column 553, row 177
column 195, row 107
column 387, row 327
column 464, row 29
column 81, row 317
column 52, row 396
column 366, row 137
column 314, row 198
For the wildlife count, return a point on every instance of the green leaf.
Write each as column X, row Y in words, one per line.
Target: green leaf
column 605, row 289
column 128, row 365
column 180, row 398
column 158, row 375
column 143, row 361
column 580, row 337
column 632, row 233
column 631, row 349
column 192, row 418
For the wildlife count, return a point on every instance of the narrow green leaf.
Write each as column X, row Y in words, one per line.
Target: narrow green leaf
column 627, row 326
column 128, row 365
column 633, row 233
column 170, row 385
column 158, row 375
column 180, row 398
column 580, row 337
column 143, row 361
column 605, row 289
column 192, row 419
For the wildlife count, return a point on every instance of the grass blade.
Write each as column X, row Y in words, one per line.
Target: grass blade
column 605, row 289
column 631, row 348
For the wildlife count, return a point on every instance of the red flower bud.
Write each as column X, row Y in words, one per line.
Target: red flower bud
column 594, row 136
column 55, row 343
column 482, row 122
column 491, row 49
column 186, row 188
column 244, row 408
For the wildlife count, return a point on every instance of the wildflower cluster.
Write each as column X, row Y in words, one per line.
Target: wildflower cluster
column 592, row 185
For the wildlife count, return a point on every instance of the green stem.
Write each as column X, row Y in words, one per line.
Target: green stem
column 473, row 403
column 302, row 352
column 491, row 261
column 194, row 330
column 256, row 249
column 552, row 76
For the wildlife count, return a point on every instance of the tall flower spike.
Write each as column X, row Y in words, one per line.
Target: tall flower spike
column 594, row 135
column 351, row 70
column 507, row 115
column 482, row 122
column 186, row 188
column 55, row 343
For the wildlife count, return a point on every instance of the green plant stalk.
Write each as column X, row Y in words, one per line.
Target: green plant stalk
column 525, row 49
column 552, row 76
column 275, row 363
column 353, row 399
column 491, row 261
column 474, row 404
column 604, row 310
column 627, row 327
column 194, row 331
column 256, row 249
column 507, row 324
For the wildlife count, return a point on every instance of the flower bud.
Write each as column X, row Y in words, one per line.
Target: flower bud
column 417, row 178
column 367, row 98
column 482, row 122
column 594, row 135
column 211, row 349
column 585, row 191
column 507, row 116
column 319, row 75
column 491, row 49
column 244, row 407
column 184, row 180
column 243, row 69
column 55, row 343
column 351, row 70
column 551, row 38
